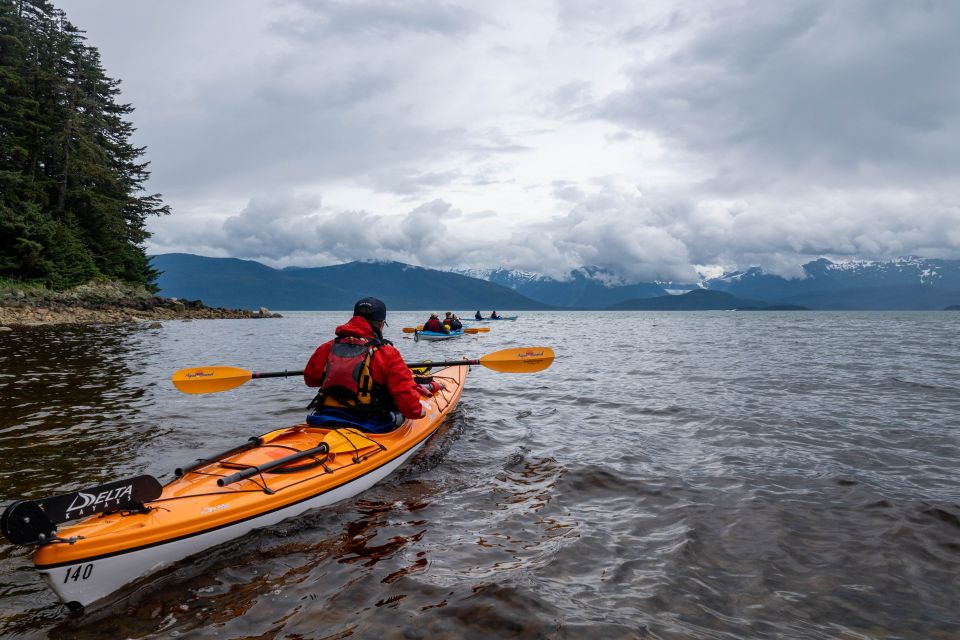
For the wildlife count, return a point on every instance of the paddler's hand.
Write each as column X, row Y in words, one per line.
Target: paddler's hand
column 427, row 390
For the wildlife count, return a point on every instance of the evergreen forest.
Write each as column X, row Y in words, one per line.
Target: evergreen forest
column 72, row 203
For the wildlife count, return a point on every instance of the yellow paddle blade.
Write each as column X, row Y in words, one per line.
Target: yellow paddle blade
column 476, row 329
column 408, row 330
column 210, row 379
column 522, row 360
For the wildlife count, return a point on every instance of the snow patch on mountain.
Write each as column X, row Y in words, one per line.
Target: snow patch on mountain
column 515, row 277
column 507, row 277
column 734, row 276
column 928, row 271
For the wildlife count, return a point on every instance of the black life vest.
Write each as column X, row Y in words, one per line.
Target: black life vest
column 347, row 382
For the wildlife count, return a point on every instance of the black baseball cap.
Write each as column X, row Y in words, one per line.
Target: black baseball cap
column 371, row 309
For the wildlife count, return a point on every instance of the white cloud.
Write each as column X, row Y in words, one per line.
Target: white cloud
column 650, row 139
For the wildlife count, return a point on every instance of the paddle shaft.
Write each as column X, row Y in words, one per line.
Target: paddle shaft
column 448, row 363
column 412, row 365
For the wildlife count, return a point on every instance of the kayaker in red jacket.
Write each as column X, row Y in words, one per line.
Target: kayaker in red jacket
column 362, row 375
column 433, row 324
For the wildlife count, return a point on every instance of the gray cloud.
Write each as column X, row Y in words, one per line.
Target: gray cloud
column 325, row 18
column 283, row 229
column 567, row 192
column 252, row 104
column 638, row 236
column 408, row 181
column 837, row 93
column 455, row 134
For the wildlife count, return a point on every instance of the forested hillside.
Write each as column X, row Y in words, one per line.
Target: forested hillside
column 72, row 205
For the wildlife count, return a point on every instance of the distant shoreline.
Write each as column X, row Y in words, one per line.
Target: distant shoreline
column 104, row 302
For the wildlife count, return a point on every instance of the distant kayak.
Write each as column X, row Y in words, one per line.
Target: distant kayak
column 433, row 335
column 490, row 319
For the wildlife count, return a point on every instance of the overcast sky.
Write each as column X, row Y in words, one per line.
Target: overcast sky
column 656, row 139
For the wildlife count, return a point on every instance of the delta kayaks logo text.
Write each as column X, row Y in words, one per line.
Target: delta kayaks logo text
column 199, row 374
column 84, row 500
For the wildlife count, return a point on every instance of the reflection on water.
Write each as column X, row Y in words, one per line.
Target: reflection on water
column 73, row 397
column 704, row 475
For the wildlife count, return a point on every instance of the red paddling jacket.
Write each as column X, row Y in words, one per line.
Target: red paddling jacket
column 433, row 324
column 386, row 368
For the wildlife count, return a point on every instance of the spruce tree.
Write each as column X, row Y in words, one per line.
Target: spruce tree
column 72, row 205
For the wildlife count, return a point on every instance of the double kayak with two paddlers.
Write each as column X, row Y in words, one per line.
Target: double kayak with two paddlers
column 490, row 319
column 135, row 527
column 419, row 333
column 433, row 336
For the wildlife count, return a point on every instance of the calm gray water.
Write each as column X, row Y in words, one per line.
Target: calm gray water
column 673, row 475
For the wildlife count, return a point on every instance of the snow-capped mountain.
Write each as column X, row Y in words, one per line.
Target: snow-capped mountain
column 905, row 283
column 512, row 278
column 586, row 287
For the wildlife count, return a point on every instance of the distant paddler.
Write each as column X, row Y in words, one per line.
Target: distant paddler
column 433, row 324
column 451, row 322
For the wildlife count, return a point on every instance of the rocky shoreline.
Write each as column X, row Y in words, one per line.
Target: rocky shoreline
column 105, row 302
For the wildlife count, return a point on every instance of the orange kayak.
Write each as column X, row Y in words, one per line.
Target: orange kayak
column 279, row 475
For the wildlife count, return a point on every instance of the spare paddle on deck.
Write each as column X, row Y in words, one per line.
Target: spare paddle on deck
column 214, row 379
column 321, row 450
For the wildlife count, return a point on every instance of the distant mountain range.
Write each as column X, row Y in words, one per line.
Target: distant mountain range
column 245, row 284
column 907, row 283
